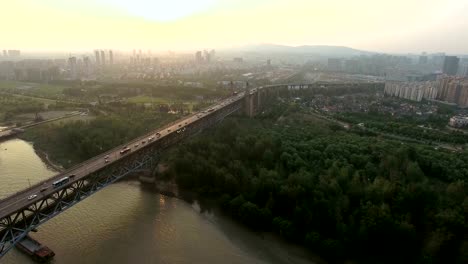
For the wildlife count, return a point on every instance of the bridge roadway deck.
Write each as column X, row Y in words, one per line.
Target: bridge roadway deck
column 20, row 199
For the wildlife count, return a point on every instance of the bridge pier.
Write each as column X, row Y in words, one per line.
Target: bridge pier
column 249, row 104
column 147, row 177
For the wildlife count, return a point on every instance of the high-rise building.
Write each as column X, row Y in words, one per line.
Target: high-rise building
column 451, row 65
column 437, row 59
column 207, row 56
column 198, row 57
column 423, row 59
column 111, row 57
column 14, row 53
column 98, row 58
column 86, row 66
column 5, row 53
column 462, row 93
column 212, row 54
column 73, row 68
column 103, row 57
column 415, row 91
column 351, row 66
column 334, row 64
column 463, row 67
column 453, row 90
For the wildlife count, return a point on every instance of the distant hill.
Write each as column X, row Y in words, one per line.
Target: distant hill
column 324, row 50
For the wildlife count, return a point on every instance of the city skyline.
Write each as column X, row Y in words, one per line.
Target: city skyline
column 388, row 27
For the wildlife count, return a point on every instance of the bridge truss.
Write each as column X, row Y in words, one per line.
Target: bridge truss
column 16, row 225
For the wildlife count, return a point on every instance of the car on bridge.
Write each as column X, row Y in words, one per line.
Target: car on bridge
column 30, row 197
column 60, row 182
column 125, row 150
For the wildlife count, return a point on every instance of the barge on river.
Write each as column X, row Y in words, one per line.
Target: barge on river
column 35, row 249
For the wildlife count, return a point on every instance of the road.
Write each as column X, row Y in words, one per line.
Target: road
column 24, row 198
column 10, row 132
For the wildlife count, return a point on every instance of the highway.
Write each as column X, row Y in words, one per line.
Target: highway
column 22, row 199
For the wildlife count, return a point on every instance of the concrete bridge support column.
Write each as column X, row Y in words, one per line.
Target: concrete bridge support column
column 259, row 102
column 249, row 107
column 147, row 176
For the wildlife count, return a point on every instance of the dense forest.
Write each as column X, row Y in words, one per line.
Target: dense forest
column 345, row 196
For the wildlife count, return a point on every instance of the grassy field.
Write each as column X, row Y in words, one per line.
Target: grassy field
column 35, row 89
column 147, row 99
column 5, row 85
column 159, row 100
column 40, row 100
column 45, row 115
column 72, row 119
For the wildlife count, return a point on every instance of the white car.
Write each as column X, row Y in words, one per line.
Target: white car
column 30, row 197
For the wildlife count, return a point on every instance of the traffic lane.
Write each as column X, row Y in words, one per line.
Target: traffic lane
column 171, row 129
column 19, row 201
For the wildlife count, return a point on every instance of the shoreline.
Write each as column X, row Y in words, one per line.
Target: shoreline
column 45, row 158
column 273, row 245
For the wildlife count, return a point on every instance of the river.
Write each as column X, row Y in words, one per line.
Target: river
column 125, row 223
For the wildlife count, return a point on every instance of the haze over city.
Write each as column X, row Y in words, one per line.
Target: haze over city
column 233, row 131
column 396, row 26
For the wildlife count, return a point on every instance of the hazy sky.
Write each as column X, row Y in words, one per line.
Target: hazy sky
column 377, row 25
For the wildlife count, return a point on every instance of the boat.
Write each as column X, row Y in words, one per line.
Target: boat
column 35, row 249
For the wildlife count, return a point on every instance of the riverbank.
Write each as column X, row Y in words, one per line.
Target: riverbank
column 272, row 245
column 264, row 245
column 45, row 158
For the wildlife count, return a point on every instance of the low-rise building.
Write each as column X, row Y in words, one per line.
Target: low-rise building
column 458, row 121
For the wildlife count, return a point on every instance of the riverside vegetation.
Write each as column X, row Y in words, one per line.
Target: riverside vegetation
column 345, row 196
